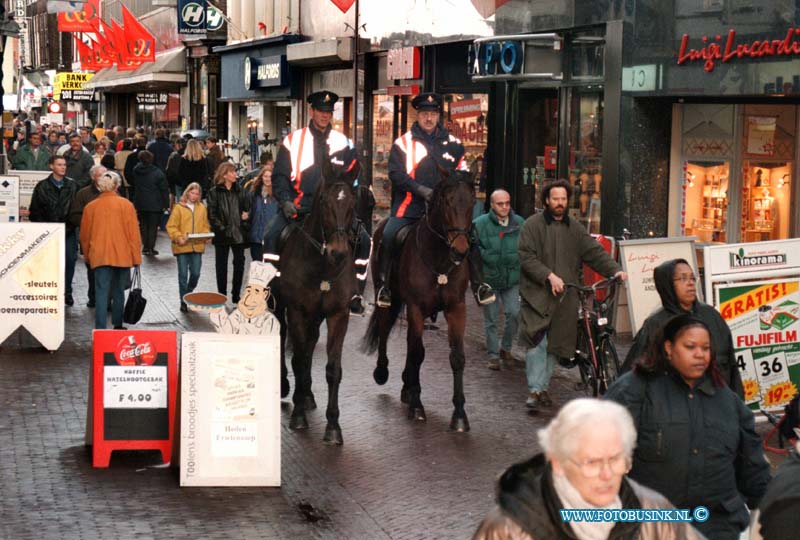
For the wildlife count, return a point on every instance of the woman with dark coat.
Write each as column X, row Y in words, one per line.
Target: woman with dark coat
column 696, row 441
column 194, row 166
column 676, row 284
column 228, row 212
column 151, row 199
column 263, row 208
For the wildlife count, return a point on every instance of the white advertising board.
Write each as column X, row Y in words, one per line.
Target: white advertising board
column 230, row 410
column 32, row 281
column 9, row 199
column 639, row 259
column 753, row 260
column 27, row 181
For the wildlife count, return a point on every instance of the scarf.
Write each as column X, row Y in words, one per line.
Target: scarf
column 571, row 498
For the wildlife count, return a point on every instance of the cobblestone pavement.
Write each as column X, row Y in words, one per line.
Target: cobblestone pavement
column 391, row 479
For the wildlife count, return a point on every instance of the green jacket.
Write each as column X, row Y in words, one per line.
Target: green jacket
column 24, row 160
column 498, row 245
column 547, row 245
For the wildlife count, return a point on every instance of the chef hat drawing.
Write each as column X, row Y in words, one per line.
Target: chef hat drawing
column 261, row 274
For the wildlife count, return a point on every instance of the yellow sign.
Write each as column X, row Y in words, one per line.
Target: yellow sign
column 69, row 81
column 755, row 298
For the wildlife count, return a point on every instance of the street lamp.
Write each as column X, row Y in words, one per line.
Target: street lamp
column 252, row 136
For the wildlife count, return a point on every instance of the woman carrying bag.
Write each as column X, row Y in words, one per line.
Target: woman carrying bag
column 188, row 216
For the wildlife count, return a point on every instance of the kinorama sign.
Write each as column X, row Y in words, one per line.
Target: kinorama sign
column 713, row 48
column 740, row 260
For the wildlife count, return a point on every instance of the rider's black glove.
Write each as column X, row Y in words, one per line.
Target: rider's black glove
column 289, row 209
column 425, row 192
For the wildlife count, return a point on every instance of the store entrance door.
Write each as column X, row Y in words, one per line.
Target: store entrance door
column 537, row 148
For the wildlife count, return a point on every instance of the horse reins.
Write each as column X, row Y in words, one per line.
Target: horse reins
column 441, row 277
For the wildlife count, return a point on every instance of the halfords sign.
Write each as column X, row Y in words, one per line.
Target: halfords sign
column 265, row 72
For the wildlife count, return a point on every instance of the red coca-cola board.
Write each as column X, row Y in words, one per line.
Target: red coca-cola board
column 589, row 275
column 134, row 390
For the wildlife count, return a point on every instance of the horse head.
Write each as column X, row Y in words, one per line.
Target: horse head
column 450, row 211
column 334, row 203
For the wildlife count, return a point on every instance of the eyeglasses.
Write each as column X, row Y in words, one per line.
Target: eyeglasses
column 591, row 468
column 686, row 279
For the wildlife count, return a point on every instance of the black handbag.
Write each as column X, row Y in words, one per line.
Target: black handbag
column 135, row 304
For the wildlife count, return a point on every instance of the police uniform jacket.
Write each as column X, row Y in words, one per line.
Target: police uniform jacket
column 298, row 168
column 413, row 163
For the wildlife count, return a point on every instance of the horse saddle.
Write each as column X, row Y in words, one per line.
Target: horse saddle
column 286, row 232
column 400, row 238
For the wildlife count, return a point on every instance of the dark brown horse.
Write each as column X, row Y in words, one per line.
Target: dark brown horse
column 429, row 275
column 316, row 283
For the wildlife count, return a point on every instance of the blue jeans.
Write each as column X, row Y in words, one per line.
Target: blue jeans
column 189, row 265
column 109, row 281
column 70, row 257
column 539, row 366
column 510, row 299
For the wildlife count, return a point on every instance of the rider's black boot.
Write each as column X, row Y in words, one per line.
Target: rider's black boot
column 483, row 292
column 384, row 297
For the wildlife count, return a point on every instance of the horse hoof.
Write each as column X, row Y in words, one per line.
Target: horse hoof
column 459, row 425
column 333, row 436
column 381, row 374
column 311, row 403
column 404, row 395
column 298, row 423
column 285, row 387
column 417, row 414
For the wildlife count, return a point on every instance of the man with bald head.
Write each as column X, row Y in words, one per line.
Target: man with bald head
column 498, row 235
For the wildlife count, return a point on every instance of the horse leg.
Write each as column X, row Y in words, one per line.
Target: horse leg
column 285, row 386
column 313, row 337
column 414, row 357
column 456, row 319
column 381, row 371
column 337, row 328
column 302, row 349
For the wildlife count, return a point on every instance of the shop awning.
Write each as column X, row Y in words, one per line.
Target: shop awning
column 166, row 73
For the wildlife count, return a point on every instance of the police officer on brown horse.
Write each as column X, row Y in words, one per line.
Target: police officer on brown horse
column 414, row 169
column 297, row 173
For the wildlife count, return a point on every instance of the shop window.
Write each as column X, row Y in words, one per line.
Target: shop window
column 341, row 120
column 465, row 118
column 585, row 158
column 706, row 206
column 382, row 140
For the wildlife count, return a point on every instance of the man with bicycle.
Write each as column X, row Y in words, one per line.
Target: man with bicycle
column 552, row 248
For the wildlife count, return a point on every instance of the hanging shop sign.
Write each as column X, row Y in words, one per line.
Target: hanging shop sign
column 192, row 17
column 32, row 281
column 639, row 259
column 9, row 199
column 133, row 392
column 214, row 19
column 763, row 318
column 82, row 20
column 265, row 72
column 152, row 99
column 403, row 63
column 230, row 410
column 715, row 48
column 69, row 86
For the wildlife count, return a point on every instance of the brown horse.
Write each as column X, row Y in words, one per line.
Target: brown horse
column 317, row 282
column 429, row 275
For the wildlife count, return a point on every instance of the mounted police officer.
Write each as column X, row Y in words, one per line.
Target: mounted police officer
column 297, row 174
column 414, row 171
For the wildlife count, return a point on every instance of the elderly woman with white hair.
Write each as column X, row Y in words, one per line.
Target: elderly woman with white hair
column 111, row 246
column 588, row 448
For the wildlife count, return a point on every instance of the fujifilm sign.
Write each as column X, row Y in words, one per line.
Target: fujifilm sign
column 740, row 260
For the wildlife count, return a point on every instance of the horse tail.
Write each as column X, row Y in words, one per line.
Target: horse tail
column 372, row 337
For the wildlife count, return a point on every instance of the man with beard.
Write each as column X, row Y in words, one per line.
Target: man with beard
column 552, row 248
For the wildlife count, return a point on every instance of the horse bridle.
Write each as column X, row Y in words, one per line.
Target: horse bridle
column 455, row 257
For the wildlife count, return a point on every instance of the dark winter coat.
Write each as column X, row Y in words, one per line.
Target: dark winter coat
column 161, row 150
column 152, row 193
column 721, row 339
column 499, row 249
column 528, row 509
column 697, row 446
column 215, row 157
column 50, row 203
column 78, row 167
column 443, row 150
column 329, row 144
column 82, row 198
column 262, row 210
column 173, row 172
column 130, row 162
column 779, row 511
column 225, row 207
column 547, row 245
column 194, row 171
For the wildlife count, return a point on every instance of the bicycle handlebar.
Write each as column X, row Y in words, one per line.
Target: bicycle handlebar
column 598, row 285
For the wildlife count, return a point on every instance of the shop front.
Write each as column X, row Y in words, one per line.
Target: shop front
column 263, row 92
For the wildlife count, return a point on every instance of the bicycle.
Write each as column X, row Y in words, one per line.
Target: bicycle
column 595, row 354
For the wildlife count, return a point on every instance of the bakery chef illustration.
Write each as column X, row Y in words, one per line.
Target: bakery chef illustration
column 251, row 315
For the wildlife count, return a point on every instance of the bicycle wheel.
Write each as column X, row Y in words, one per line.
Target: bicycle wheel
column 609, row 363
column 583, row 359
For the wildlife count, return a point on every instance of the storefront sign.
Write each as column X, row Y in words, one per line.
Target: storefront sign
column 192, row 17
column 134, row 388
column 713, row 48
column 639, row 78
column 70, row 87
column 763, row 318
column 9, row 199
column 214, row 19
column 403, row 90
column 780, row 256
column 403, row 63
column 230, row 410
column 32, row 281
column 639, row 259
column 265, row 72
column 496, row 58
column 468, row 108
column 27, row 183
column 152, row 99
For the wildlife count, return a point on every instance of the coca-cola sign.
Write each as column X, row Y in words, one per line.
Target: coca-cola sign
column 131, row 353
column 713, row 48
